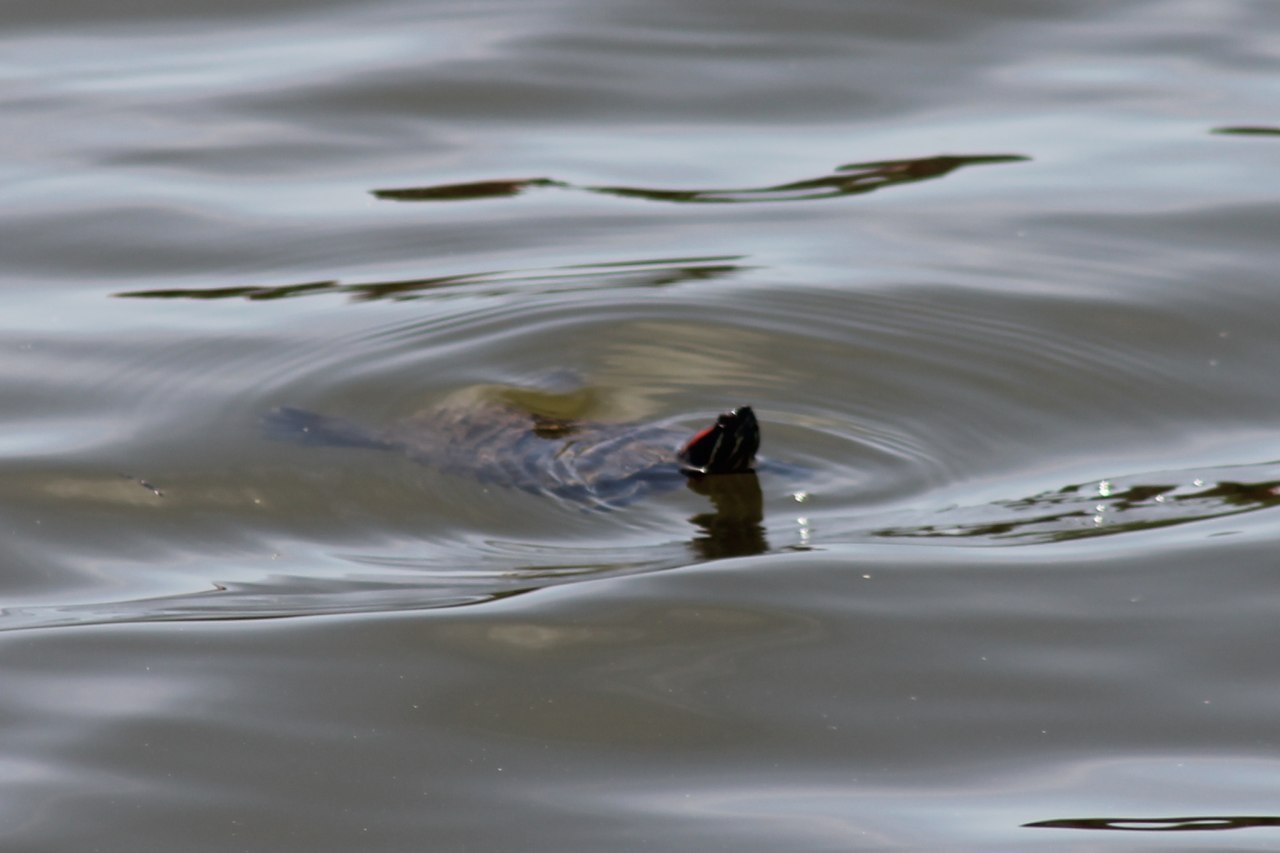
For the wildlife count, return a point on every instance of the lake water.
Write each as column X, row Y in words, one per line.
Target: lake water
column 999, row 279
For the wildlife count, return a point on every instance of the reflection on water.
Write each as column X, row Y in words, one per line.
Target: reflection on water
column 1107, row 507
column 637, row 274
column 850, row 179
column 471, row 191
column 735, row 528
column 1248, row 130
column 1158, row 824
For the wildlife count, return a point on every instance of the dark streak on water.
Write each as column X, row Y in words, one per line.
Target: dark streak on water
column 851, row 179
column 656, row 273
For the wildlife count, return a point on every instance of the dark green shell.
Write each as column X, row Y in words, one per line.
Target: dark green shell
column 507, row 446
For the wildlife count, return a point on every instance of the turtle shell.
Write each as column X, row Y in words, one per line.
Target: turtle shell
column 502, row 444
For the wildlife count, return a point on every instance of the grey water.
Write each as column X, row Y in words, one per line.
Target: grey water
column 998, row 279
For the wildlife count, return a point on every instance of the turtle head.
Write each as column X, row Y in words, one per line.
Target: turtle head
column 727, row 446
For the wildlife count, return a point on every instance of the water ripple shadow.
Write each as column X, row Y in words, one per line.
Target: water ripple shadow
column 1159, row 824
column 1247, row 130
column 632, row 274
column 846, row 180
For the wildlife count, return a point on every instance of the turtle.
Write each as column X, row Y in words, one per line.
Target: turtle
column 502, row 443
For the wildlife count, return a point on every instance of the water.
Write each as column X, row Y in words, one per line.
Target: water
column 998, row 280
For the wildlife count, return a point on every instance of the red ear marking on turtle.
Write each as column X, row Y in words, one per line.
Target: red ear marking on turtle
column 698, row 437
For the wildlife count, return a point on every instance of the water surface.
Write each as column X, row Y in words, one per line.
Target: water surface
column 998, row 281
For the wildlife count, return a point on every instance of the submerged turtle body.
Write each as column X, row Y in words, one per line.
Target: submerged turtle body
column 584, row 461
